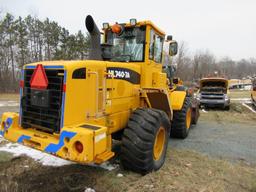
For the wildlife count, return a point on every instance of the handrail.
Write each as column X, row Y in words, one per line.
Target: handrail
column 97, row 90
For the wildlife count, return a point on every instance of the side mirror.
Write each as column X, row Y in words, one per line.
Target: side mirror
column 173, row 48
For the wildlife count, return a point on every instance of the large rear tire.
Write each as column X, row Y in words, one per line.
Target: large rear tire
column 182, row 120
column 145, row 140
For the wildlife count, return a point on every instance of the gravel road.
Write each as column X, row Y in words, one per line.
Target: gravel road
column 220, row 138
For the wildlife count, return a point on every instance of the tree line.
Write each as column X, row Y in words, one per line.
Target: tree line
column 29, row 39
column 204, row 64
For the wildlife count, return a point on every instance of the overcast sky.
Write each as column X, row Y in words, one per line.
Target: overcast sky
column 224, row 27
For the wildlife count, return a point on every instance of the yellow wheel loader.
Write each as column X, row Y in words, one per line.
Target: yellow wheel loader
column 73, row 109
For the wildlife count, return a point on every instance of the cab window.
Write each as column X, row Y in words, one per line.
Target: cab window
column 128, row 46
column 155, row 47
column 79, row 73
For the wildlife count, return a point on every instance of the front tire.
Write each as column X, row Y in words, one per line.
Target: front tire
column 182, row 120
column 145, row 140
column 227, row 108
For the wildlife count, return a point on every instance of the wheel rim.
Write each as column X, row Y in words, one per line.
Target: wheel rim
column 188, row 118
column 159, row 143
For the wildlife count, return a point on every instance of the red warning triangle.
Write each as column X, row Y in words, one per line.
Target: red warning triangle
column 39, row 79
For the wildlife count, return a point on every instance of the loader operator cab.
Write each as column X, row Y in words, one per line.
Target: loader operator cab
column 127, row 42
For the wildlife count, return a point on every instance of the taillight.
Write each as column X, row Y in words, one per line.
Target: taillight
column 79, row 147
column 64, row 88
column 21, row 83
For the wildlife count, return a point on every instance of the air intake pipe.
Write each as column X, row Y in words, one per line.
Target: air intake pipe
column 95, row 52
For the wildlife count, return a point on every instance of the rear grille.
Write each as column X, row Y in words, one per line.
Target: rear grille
column 46, row 118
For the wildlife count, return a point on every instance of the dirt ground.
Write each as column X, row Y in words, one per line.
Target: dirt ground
column 219, row 155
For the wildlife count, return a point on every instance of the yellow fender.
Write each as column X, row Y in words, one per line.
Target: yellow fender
column 177, row 99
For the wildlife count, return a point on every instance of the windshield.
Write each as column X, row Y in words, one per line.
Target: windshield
column 127, row 46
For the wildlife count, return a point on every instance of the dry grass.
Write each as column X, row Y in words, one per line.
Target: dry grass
column 254, row 186
column 183, row 171
column 186, row 171
column 7, row 96
column 240, row 94
column 5, row 156
column 237, row 114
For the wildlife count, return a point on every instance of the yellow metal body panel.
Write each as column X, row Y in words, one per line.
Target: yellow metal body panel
column 177, row 99
column 147, row 23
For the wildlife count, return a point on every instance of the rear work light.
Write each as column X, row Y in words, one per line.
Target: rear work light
column 79, row 147
column 133, row 22
column 105, row 26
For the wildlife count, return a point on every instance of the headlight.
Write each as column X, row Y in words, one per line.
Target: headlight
column 226, row 97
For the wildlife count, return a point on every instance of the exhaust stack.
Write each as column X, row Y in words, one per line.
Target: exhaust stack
column 95, row 49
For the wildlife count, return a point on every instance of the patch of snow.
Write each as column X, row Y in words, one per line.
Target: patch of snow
column 89, row 190
column 44, row 158
column 119, row 175
column 105, row 165
column 248, row 102
column 240, row 99
column 149, row 186
column 250, row 108
column 9, row 104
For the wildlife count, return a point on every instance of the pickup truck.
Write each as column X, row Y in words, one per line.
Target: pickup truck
column 213, row 92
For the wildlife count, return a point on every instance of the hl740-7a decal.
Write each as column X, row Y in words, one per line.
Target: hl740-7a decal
column 124, row 74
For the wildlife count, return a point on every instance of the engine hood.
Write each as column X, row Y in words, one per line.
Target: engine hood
column 214, row 82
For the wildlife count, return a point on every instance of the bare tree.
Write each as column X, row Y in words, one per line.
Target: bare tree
column 183, row 63
column 203, row 64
